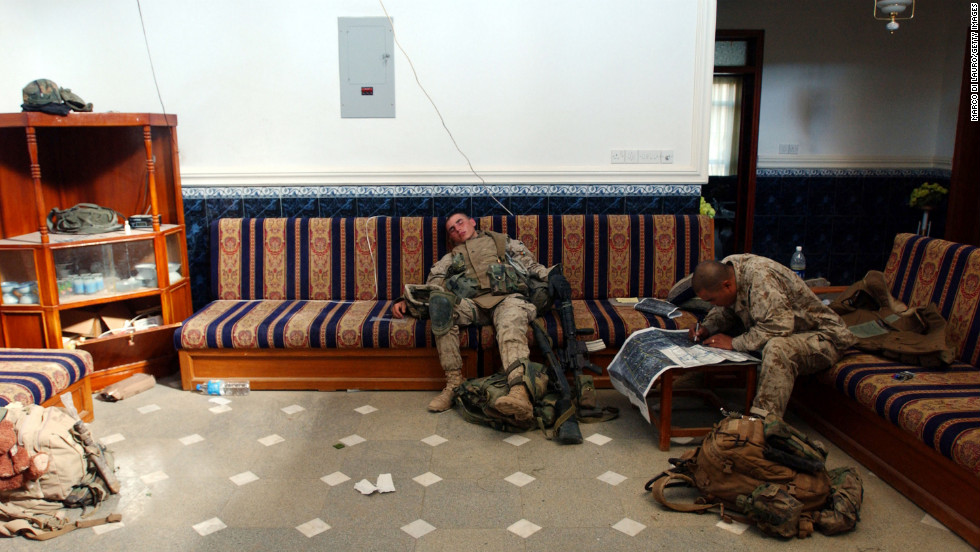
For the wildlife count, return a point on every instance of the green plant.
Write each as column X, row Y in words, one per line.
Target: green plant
column 706, row 208
column 927, row 195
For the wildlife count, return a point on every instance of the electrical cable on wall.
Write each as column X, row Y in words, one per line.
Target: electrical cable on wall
column 438, row 113
column 153, row 72
column 414, row 73
column 139, row 9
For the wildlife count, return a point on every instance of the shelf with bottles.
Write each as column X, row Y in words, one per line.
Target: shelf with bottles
column 108, row 270
column 18, row 277
column 91, row 269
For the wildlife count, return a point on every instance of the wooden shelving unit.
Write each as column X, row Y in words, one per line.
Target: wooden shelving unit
column 124, row 161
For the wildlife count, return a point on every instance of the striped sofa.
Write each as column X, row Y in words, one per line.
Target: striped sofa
column 305, row 303
column 41, row 376
column 922, row 435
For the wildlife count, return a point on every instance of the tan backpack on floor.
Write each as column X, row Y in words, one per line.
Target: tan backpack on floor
column 56, row 502
column 769, row 472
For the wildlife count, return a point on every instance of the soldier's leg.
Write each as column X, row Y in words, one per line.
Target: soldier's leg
column 446, row 331
column 510, row 320
column 783, row 359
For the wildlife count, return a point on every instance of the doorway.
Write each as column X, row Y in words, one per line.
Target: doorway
column 733, row 148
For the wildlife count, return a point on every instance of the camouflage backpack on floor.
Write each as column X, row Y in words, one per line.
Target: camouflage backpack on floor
column 769, row 472
column 475, row 398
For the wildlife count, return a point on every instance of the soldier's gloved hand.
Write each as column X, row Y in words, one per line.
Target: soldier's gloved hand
column 558, row 285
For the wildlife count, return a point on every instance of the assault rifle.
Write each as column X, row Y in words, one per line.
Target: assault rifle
column 572, row 357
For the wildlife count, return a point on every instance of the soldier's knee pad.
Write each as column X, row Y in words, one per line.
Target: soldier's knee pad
column 441, row 312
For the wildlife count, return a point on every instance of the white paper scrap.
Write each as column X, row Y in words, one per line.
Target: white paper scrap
column 385, row 484
column 365, row 487
column 219, row 400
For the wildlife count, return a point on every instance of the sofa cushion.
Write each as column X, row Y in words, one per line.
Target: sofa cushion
column 610, row 256
column 938, row 406
column 33, row 376
column 372, row 258
column 312, row 324
column 924, row 270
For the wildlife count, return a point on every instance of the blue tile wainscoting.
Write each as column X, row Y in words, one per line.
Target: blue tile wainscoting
column 203, row 205
column 845, row 219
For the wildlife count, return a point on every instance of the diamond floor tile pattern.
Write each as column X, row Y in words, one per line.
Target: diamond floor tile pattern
column 256, row 474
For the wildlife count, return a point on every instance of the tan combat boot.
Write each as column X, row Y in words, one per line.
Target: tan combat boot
column 444, row 401
column 515, row 403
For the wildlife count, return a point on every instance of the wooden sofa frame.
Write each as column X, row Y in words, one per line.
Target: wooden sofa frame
column 944, row 489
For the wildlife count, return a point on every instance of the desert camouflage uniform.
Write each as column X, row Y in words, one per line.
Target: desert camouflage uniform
column 509, row 314
column 795, row 331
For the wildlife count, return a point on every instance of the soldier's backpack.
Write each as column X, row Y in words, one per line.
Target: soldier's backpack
column 886, row 326
column 741, row 466
column 66, row 495
column 475, row 398
column 84, row 218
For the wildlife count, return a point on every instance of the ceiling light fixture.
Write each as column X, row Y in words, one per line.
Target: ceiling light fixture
column 893, row 10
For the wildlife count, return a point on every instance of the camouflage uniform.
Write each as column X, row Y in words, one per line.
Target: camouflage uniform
column 795, row 331
column 509, row 314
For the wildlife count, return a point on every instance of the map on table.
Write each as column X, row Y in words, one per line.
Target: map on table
column 648, row 353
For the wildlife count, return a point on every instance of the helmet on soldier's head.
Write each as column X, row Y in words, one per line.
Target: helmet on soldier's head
column 41, row 92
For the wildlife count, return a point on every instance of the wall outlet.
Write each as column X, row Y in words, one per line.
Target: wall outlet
column 666, row 156
column 648, row 157
column 631, row 156
column 617, row 156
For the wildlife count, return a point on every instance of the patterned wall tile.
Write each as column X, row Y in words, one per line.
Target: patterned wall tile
column 643, row 205
column 563, row 205
column 224, row 207
column 413, row 206
column 300, row 206
column 338, row 207
column 376, row 207
column 445, row 206
column 485, row 205
column 682, row 205
column 605, row 205
column 262, row 207
column 526, row 205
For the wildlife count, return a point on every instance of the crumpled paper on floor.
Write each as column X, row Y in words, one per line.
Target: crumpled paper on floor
column 383, row 485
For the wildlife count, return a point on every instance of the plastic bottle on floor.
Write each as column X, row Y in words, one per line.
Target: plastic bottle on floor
column 224, row 387
column 797, row 262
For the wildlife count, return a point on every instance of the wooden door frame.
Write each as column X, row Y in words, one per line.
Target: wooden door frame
column 748, row 139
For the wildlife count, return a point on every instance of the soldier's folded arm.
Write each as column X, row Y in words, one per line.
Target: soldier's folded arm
column 773, row 318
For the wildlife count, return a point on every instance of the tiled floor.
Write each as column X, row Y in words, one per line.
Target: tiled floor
column 276, row 470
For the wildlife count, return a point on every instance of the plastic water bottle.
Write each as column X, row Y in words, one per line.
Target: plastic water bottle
column 224, row 387
column 798, row 262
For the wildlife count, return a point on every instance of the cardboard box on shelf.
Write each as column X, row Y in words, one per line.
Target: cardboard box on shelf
column 115, row 315
column 81, row 322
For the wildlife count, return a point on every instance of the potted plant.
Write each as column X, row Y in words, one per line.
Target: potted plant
column 927, row 197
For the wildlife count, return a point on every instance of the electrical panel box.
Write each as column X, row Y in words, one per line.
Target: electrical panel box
column 367, row 67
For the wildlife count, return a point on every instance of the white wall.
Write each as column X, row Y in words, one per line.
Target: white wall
column 533, row 91
column 848, row 92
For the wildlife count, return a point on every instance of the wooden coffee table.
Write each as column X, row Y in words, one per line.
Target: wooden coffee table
column 746, row 372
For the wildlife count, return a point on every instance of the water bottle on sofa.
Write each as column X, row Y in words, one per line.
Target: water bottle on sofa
column 797, row 262
column 224, row 387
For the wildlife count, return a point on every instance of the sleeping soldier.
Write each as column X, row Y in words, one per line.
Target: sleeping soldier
column 473, row 285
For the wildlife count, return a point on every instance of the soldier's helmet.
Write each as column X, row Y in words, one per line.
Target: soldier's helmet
column 42, row 92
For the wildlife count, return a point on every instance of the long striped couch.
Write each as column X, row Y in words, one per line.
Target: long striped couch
column 305, row 303
column 922, row 435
